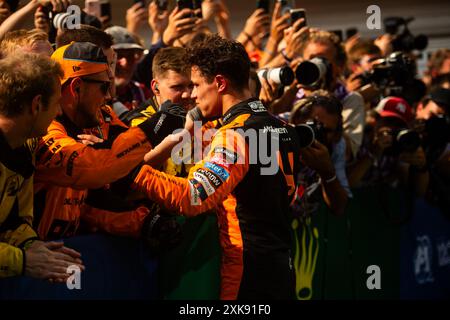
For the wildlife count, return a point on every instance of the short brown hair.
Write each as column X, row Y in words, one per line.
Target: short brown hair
column 23, row 76
column 321, row 36
column 18, row 38
column 363, row 47
column 85, row 33
column 171, row 58
column 436, row 59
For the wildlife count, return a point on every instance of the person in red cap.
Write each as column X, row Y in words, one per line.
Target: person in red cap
column 395, row 107
column 390, row 152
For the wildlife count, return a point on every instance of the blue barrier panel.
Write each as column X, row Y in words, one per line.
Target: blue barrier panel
column 425, row 257
column 116, row 268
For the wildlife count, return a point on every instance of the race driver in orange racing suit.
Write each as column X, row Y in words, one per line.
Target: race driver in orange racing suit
column 252, row 207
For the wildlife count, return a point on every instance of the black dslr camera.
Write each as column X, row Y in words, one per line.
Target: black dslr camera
column 432, row 134
column 394, row 71
column 309, row 131
column 404, row 40
column 395, row 76
column 315, row 73
column 406, row 140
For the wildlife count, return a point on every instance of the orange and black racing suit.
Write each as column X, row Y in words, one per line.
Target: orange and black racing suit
column 253, row 208
column 66, row 169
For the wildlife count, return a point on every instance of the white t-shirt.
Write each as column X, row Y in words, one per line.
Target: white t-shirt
column 354, row 117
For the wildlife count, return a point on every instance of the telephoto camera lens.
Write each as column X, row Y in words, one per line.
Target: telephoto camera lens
column 60, row 20
column 282, row 75
column 308, row 132
column 408, row 140
column 310, row 73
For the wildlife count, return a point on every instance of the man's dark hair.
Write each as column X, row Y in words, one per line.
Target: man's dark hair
column 320, row 98
column 214, row 55
column 85, row 34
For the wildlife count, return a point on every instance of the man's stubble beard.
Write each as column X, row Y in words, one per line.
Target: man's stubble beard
column 88, row 120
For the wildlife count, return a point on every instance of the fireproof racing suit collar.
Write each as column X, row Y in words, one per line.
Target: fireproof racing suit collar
column 251, row 105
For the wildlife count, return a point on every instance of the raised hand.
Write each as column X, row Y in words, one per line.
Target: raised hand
column 136, row 16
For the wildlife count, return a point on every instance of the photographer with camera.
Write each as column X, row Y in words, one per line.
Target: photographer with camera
column 361, row 58
column 322, row 154
column 401, row 37
column 18, row 18
column 433, row 123
column 391, row 153
column 323, row 62
column 438, row 70
column 394, row 75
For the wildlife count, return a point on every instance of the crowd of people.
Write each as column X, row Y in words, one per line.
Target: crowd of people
column 98, row 132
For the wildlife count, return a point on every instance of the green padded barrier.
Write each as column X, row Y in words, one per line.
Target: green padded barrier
column 192, row 269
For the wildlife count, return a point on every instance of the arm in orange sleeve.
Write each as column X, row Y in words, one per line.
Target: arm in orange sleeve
column 117, row 223
column 63, row 161
column 209, row 181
